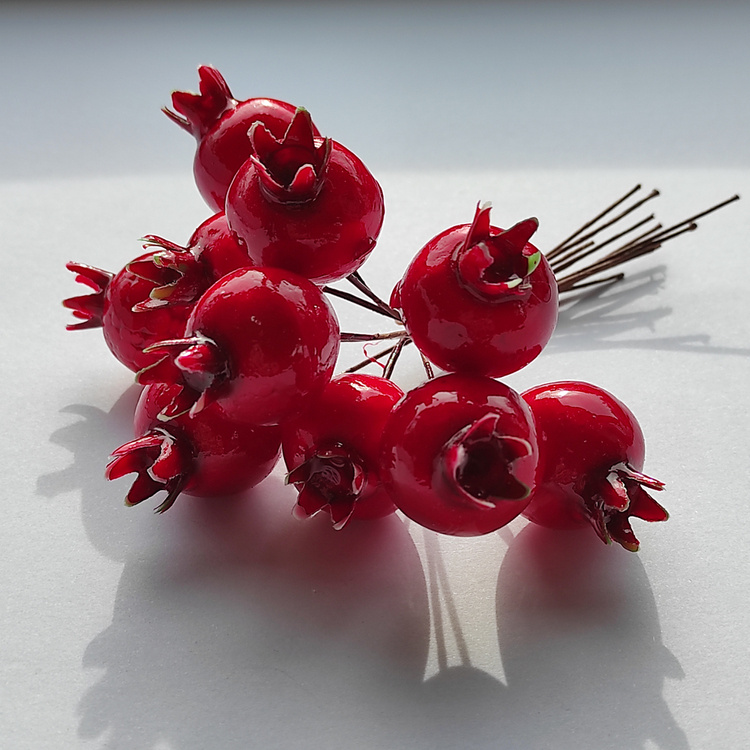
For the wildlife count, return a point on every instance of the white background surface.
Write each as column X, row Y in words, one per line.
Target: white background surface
column 229, row 624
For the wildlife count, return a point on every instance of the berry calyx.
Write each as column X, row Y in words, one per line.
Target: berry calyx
column 212, row 454
column 479, row 299
column 592, row 452
column 304, row 203
column 332, row 451
column 180, row 274
column 331, row 479
column 88, row 308
column 493, row 266
column 478, row 462
column 121, row 305
column 459, row 454
column 261, row 341
column 291, row 170
column 219, row 122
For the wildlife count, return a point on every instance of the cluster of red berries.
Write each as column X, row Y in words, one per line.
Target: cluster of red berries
column 235, row 342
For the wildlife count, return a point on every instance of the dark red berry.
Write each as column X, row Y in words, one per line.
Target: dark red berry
column 591, row 459
column 459, row 455
column 305, row 203
column 332, row 451
column 479, row 299
column 220, row 123
column 122, row 306
column 261, row 341
column 209, row 455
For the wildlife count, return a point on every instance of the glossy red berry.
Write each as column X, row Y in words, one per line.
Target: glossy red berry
column 591, row 459
column 209, row 455
column 459, row 455
column 305, row 203
column 121, row 305
column 182, row 274
column 479, row 299
column 261, row 341
column 220, row 123
column 332, row 451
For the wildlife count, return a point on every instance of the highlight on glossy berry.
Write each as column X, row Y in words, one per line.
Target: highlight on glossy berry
column 592, row 452
column 479, row 299
column 209, row 455
column 219, row 123
column 305, row 203
column 262, row 341
column 459, row 455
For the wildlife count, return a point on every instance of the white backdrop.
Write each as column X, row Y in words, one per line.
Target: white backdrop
column 230, row 624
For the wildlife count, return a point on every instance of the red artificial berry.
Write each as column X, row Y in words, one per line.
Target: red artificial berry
column 261, row 341
column 121, row 305
column 304, row 203
column 591, row 456
column 479, row 299
column 211, row 454
column 220, row 123
column 332, row 451
column 459, row 454
column 181, row 274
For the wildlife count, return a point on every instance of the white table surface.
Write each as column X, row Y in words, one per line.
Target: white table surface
column 232, row 625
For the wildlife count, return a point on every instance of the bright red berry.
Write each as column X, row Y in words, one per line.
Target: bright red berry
column 211, row 454
column 261, row 341
column 591, row 456
column 305, row 203
column 332, row 451
column 220, row 123
column 459, row 454
column 181, row 274
column 122, row 306
column 479, row 299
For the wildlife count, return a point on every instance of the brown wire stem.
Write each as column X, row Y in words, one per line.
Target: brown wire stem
column 575, row 250
column 355, row 300
column 393, row 358
column 358, row 282
column 353, row 337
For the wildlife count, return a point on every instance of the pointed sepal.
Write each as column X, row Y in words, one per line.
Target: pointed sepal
column 197, row 363
column 160, row 462
column 89, row 308
column 496, row 265
column 292, row 169
column 199, row 112
column 478, row 464
column 331, row 480
column 178, row 277
column 617, row 498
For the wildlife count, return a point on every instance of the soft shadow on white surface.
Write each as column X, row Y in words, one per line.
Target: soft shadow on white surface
column 581, row 645
column 611, row 317
column 247, row 628
column 91, row 437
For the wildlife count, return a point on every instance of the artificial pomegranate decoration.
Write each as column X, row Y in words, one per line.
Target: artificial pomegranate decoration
column 332, row 451
column 305, row 203
column 220, row 123
column 180, row 274
column 459, row 454
column 591, row 459
column 235, row 341
column 479, row 299
column 211, row 454
column 122, row 306
column 261, row 341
